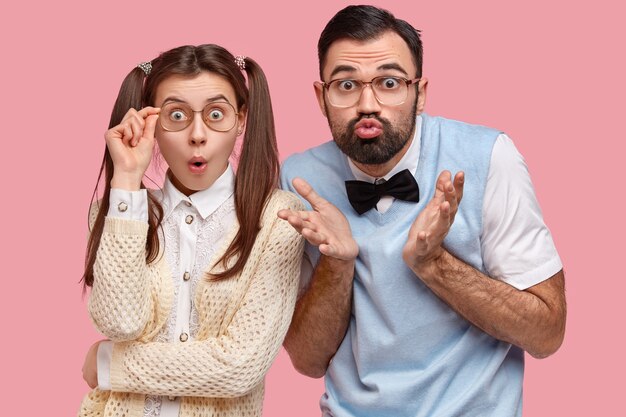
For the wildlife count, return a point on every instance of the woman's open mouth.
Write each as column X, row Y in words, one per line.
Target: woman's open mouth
column 197, row 165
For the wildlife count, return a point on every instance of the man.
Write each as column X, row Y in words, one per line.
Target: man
column 419, row 304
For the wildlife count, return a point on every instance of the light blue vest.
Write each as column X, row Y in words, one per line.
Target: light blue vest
column 406, row 353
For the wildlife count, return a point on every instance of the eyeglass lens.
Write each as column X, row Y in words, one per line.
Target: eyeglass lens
column 218, row 116
column 388, row 90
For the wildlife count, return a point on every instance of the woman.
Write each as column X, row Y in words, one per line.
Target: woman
column 193, row 284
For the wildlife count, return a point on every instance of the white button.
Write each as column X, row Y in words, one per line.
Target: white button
column 186, row 276
column 189, row 219
column 183, row 337
column 122, row 207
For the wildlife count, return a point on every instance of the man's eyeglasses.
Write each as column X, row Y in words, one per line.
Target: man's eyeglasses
column 176, row 116
column 390, row 91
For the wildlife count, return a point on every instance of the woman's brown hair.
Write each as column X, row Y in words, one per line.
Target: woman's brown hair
column 257, row 172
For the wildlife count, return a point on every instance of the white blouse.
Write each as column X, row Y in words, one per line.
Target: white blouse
column 193, row 228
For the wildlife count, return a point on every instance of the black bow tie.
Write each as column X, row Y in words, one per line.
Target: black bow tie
column 364, row 195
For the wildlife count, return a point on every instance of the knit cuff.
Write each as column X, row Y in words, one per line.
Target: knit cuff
column 117, row 367
column 125, row 227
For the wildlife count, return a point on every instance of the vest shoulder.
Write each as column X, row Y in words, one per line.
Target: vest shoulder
column 283, row 199
column 459, row 127
column 322, row 155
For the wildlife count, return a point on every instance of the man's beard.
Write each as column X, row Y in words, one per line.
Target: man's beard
column 376, row 150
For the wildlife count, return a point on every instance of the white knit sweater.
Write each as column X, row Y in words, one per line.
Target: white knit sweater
column 242, row 322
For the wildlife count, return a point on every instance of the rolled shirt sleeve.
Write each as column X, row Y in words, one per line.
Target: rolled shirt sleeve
column 516, row 243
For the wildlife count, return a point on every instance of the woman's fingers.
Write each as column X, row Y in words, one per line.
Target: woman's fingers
column 150, row 126
column 135, row 125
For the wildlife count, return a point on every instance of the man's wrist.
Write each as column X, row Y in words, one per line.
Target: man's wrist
column 341, row 268
column 431, row 267
column 337, row 262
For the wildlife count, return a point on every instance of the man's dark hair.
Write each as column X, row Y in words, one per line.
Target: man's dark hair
column 364, row 23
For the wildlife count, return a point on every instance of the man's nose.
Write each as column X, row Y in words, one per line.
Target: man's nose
column 368, row 104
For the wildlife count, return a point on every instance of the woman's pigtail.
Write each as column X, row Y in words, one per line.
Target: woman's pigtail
column 258, row 168
column 130, row 96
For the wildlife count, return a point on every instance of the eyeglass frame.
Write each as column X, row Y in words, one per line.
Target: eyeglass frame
column 199, row 111
column 407, row 83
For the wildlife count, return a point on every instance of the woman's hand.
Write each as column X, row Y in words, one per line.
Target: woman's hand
column 131, row 144
column 90, row 367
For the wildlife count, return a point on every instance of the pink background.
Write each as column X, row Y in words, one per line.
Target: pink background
column 549, row 73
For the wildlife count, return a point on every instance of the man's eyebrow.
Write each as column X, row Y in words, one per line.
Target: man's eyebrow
column 384, row 67
column 393, row 66
column 342, row 68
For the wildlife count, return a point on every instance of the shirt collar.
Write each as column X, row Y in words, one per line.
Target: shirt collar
column 408, row 161
column 205, row 201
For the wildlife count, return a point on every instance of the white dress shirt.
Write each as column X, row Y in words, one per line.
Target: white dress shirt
column 512, row 220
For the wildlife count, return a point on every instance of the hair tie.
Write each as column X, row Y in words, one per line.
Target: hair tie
column 146, row 67
column 240, row 60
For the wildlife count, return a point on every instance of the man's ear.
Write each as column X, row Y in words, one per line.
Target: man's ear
column 421, row 94
column 319, row 93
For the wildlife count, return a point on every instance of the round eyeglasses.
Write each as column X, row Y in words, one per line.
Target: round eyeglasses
column 390, row 91
column 176, row 116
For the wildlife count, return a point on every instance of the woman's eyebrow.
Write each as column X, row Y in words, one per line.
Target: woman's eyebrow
column 176, row 99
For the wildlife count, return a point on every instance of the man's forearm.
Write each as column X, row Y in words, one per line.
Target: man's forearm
column 533, row 319
column 321, row 317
